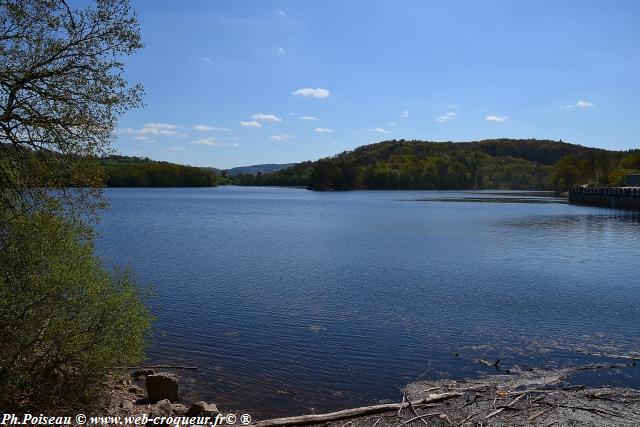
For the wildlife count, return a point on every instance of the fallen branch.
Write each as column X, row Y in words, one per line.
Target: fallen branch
column 442, row 416
column 537, row 415
column 502, row 408
column 350, row 413
column 191, row 368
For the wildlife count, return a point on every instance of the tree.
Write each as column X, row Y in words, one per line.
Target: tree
column 61, row 91
column 66, row 324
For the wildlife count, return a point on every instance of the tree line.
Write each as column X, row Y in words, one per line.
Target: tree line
column 488, row 164
column 121, row 171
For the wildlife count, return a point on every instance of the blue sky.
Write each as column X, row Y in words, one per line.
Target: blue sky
column 231, row 83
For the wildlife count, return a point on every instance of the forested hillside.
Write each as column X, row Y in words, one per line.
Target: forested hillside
column 499, row 163
column 121, row 171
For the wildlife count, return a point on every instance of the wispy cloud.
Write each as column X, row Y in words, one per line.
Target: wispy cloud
column 404, row 114
column 280, row 51
column 280, row 12
column 581, row 104
column 250, row 124
column 323, row 130
column 315, row 93
column 206, row 128
column 204, row 58
column 379, row 130
column 446, row 117
column 266, row 118
column 308, row 118
column 498, row 119
column 281, row 137
column 175, row 149
column 153, row 129
column 211, row 141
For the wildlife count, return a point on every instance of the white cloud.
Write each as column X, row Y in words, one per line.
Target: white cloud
column 280, row 51
column 266, row 118
column 404, row 114
column 206, row 128
column 164, row 129
column 204, row 58
column 281, row 13
column 281, row 137
column 308, row 118
column 452, row 106
column 175, row 149
column 584, row 104
column 323, row 130
column 316, row 93
column 393, row 124
column 494, row 118
column 446, row 117
column 380, row 130
column 581, row 104
column 211, row 141
column 251, row 124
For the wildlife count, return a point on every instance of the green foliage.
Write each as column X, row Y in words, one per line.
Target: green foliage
column 497, row 164
column 62, row 88
column 65, row 322
column 136, row 172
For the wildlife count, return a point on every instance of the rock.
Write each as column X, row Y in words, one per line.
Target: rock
column 203, row 409
column 135, row 390
column 178, row 409
column 162, row 408
column 162, row 386
column 126, row 404
column 142, row 373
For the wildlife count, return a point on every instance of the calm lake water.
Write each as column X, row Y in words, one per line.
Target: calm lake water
column 290, row 301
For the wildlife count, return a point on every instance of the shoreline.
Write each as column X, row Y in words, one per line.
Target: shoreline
column 534, row 396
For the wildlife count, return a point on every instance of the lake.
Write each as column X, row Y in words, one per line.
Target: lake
column 291, row 301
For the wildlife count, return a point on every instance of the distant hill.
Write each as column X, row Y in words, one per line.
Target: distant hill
column 254, row 169
column 487, row 164
column 124, row 171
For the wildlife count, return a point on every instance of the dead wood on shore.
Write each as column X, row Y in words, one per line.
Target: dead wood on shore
column 537, row 397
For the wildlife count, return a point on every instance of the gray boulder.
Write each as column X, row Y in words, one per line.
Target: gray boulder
column 162, row 386
column 178, row 409
column 202, row 409
column 162, row 408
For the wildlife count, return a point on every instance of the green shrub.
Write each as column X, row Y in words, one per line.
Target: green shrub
column 66, row 323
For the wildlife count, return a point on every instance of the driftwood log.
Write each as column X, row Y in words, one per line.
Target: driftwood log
column 354, row 412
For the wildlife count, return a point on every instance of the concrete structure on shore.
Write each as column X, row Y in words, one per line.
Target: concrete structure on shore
column 632, row 180
column 610, row 197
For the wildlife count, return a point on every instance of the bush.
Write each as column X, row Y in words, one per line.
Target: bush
column 65, row 322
